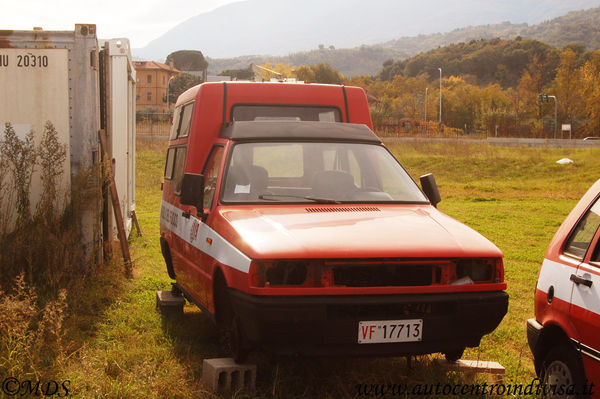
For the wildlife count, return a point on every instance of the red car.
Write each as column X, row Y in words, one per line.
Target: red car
column 563, row 337
column 286, row 219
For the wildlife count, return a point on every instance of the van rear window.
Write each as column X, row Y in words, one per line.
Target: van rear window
column 170, row 164
column 182, row 119
column 255, row 112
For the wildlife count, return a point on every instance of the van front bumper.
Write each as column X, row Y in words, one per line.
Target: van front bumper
column 328, row 325
column 534, row 330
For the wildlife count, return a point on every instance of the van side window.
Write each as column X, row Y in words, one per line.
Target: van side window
column 186, row 120
column 169, row 165
column 211, row 172
column 595, row 259
column 175, row 126
column 178, row 170
column 584, row 232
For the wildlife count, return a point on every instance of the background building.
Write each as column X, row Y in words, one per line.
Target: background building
column 152, row 83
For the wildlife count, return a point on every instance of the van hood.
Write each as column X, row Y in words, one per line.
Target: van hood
column 354, row 231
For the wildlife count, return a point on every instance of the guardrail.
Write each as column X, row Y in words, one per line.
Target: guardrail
column 507, row 142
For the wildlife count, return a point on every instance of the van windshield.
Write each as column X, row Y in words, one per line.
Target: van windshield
column 316, row 172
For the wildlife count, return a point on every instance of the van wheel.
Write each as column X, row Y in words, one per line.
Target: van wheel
column 562, row 367
column 231, row 335
column 453, row 356
column 239, row 348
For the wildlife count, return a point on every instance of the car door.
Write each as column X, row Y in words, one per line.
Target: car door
column 584, row 244
column 198, row 278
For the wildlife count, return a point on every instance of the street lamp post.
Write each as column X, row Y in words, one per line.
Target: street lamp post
column 440, row 99
column 544, row 99
column 169, row 84
column 555, row 115
column 426, row 90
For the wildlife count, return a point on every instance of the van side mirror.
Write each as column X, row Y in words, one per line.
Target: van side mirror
column 192, row 191
column 430, row 189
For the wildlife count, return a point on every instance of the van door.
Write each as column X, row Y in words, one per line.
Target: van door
column 584, row 243
column 198, row 264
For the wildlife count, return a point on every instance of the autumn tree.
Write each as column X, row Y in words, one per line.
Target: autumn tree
column 319, row 73
column 590, row 83
column 188, row 60
column 495, row 110
column 568, row 87
column 525, row 101
column 279, row 70
column 460, row 103
column 181, row 83
column 239, row 74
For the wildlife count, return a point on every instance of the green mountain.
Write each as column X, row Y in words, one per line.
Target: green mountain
column 482, row 61
column 577, row 26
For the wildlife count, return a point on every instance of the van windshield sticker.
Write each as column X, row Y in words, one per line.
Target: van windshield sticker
column 239, row 189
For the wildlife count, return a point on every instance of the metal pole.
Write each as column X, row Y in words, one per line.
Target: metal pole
column 279, row 75
column 426, row 90
column 440, row 99
column 168, row 84
column 555, row 114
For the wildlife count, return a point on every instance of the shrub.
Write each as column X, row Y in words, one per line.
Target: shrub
column 41, row 255
column 30, row 336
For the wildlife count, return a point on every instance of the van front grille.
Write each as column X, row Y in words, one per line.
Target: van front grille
column 399, row 275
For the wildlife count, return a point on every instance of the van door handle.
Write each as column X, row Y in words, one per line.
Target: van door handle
column 580, row 280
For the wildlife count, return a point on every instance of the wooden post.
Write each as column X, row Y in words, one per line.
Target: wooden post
column 137, row 224
column 114, row 196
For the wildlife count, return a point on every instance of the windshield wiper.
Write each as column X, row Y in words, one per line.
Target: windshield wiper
column 315, row 199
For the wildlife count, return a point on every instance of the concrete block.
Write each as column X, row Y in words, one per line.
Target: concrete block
column 482, row 366
column 166, row 302
column 224, row 374
column 494, row 369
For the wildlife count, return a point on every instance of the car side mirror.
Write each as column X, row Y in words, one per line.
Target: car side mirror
column 430, row 189
column 192, row 191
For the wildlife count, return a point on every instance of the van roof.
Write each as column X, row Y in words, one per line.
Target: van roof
column 298, row 130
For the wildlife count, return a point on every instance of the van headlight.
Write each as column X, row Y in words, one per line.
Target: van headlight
column 475, row 269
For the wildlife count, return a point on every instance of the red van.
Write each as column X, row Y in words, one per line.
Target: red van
column 286, row 219
column 563, row 336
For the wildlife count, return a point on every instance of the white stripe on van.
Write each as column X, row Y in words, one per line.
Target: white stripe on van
column 557, row 275
column 194, row 232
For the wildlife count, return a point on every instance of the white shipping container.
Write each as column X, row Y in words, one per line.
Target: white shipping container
column 56, row 76
column 34, row 89
column 119, row 78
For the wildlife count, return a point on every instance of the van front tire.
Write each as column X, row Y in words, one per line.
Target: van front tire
column 562, row 367
column 228, row 323
column 454, row 356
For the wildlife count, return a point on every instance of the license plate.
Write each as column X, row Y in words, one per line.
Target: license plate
column 387, row 331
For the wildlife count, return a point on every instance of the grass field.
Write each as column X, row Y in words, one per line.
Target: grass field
column 120, row 347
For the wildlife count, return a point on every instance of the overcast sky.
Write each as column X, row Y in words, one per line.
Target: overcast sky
column 139, row 21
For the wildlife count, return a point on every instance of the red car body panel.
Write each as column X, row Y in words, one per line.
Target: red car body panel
column 292, row 232
column 567, row 311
